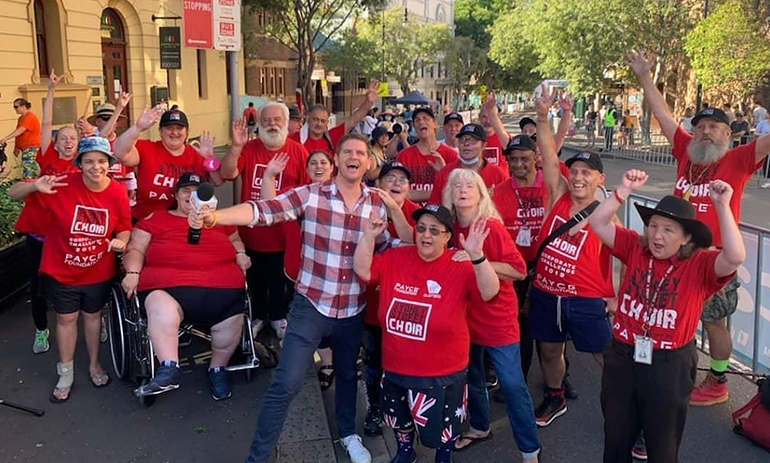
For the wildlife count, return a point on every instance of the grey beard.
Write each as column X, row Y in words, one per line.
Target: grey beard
column 273, row 141
column 706, row 152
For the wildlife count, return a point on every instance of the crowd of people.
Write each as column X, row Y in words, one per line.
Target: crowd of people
column 450, row 262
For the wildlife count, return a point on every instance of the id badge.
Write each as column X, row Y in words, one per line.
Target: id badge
column 643, row 349
column 524, row 238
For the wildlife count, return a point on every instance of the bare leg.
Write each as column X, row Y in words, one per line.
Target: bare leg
column 163, row 318
column 225, row 337
column 552, row 362
column 720, row 344
column 66, row 335
column 92, row 329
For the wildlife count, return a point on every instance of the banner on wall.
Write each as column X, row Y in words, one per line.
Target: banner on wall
column 198, row 19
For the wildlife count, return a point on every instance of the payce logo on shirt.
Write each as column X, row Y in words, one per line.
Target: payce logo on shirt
column 90, row 221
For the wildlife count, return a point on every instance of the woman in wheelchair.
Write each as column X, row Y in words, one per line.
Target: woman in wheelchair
column 200, row 283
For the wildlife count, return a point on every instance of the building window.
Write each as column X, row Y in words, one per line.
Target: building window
column 281, row 82
column 263, row 81
column 42, row 47
column 203, row 84
column 439, row 70
column 271, row 85
column 430, row 71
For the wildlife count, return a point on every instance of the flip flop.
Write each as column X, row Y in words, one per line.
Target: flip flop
column 471, row 439
column 55, row 400
column 325, row 379
column 98, row 377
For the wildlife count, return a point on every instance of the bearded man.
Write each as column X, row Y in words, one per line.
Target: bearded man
column 265, row 245
column 702, row 157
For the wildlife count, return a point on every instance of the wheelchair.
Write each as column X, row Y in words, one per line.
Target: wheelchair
column 133, row 357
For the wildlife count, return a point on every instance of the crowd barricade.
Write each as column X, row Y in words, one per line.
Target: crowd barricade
column 750, row 324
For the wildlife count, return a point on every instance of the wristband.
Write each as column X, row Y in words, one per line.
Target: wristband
column 211, row 164
column 479, row 260
column 617, row 196
column 212, row 223
column 132, row 273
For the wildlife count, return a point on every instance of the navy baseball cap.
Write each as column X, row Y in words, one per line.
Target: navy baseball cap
column 520, row 143
column 423, row 109
column 474, row 130
column 713, row 113
column 442, row 214
column 454, row 116
column 526, row 121
column 174, row 117
column 387, row 168
column 592, row 159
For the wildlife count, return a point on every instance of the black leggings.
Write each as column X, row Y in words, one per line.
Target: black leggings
column 39, row 306
column 267, row 284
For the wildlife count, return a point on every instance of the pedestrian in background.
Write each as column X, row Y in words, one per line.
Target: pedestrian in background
column 27, row 138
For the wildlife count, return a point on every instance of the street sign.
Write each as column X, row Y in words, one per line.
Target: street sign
column 198, row 22
column 227, row 25
column 170, row 48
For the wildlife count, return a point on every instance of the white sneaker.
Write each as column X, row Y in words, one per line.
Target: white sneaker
column 356, row 450
column 256, row 326
column 766, row 185
column 279, row 326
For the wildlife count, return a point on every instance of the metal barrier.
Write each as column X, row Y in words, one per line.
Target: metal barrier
column 750, row 324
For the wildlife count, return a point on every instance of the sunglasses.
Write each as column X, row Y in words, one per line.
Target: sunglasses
column 15, row 106
column 420, row 228
column 105, row 118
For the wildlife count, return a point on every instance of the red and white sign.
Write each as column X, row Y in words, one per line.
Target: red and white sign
column 227, row 25
column 198, row 20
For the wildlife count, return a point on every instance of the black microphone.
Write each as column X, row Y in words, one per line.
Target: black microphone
column 204, row 196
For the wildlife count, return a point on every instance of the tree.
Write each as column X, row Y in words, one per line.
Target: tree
column 729, row 50
column 352, row 55
column 307, row 26
column 463, row 60
column 514, row 54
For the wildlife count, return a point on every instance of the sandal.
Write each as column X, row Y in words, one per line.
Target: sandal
column 469, row 438
column 99, row 379
column 326, row 379
column 64, row 385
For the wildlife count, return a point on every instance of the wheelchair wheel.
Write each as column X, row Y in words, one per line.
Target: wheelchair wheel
column 119, row 332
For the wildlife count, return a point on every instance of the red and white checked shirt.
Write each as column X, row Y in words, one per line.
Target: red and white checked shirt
column 330, row 233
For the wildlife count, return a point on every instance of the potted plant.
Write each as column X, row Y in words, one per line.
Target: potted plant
column 13, row 277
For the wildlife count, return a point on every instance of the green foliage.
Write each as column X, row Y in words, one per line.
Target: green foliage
column 474, row 17
column 728, row 50
column 513, row 55
column 463, row 60
column 9, row 212
column 353, row 54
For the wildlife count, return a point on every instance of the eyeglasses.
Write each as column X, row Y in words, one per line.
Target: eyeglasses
column 420, row 228
column 396, row 179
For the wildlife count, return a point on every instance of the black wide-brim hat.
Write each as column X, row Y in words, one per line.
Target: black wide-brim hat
column 681, row 211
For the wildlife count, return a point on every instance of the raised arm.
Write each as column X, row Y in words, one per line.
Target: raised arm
column 733, row 250
column 490, row 108
column 556, row 184
column 206, row 150
column 603, row 220
column 762, row 147
column 274, row 167
column 566, row 104
column 486, row 279
column 403, row 229
column 360, row 113
column 46, row 130
column 124, row 147
column 240, row 136
column 109, row 127
column 642, row 67
column 47, row 184
column 362, row 257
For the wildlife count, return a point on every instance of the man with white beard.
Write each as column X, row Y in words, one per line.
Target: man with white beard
column 265, row 245
column 701, row 158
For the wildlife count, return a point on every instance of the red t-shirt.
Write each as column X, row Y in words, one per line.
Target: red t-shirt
column 490, row 173
column 735, row 167
column 170, row 261
column 677, row 304
column 373, row 292
column 422, row 312
column 495, row 322
column 157, row 173
column 493, row 152
column 250, row 111
column 322, row 144
column 572, row 265
column 423, row 174
column 81, row 224
column 251, row 165
column 522, row 207
column 34, row 216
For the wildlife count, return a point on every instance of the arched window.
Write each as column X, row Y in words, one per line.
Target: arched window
column 440, row 13
column 112, row 27
column 42, row 46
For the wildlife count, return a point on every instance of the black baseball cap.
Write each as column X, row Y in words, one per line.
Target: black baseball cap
column 188, row 179
column 526, row 121
column 385, row 170
column 441, row 214
column 423, row 109
column 294, row 112
column 454, row 116
column 592, row 159
column 474, row 130
column 713, row 113
column 174, row 117
column 520, row 143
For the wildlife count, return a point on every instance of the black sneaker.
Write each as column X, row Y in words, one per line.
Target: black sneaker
column 569, row 391
column 165, row 379
column 491, row 378
column 639, row 451
column 551, row 408
column 220, row 389
column 373, row 422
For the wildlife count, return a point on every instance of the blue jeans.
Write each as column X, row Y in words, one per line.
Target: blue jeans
column 507, row 363
column 306, row 327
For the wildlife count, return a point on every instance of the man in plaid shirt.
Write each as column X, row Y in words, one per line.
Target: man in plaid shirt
column 329, row 299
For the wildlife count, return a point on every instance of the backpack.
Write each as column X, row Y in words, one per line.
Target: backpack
column 755, row 426
column 252, row 120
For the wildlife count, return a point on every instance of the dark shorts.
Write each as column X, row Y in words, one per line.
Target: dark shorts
column 723, row 303
column 437, row 412
column 204, row 306
column 66, row 299
column 585, row 319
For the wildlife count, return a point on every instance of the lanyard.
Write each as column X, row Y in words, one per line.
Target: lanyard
column 649, row 301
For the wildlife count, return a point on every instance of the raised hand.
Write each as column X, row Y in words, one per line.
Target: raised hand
column 206, row 142
column 387, row 199
column 149, row 117
column 491, row 103
column 721, row 192
column 544, row 102
column 84, row 128
column 48, row 184
column 372, row 91
column 240, row 132
column 53, row 79
column 477, row 233
column 277, row 164
column 566, row 103
column 633, row 179
column 374, row 226
column 438, row 161
column 639, row 63
column 123, row 101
